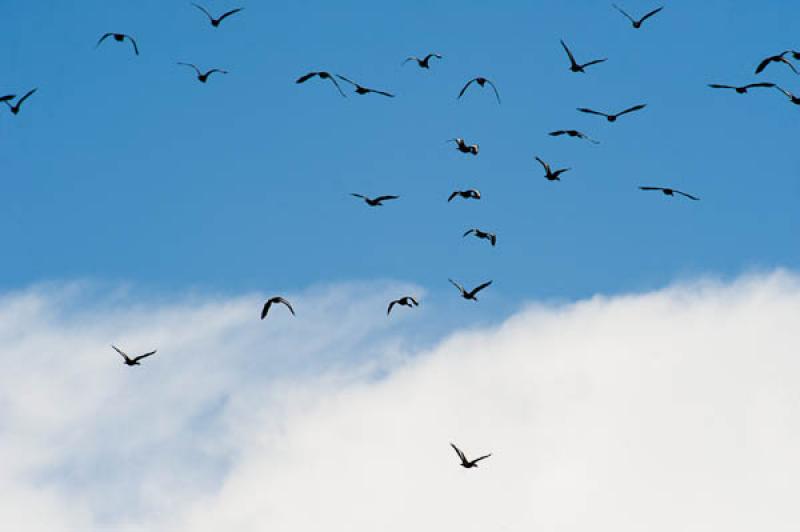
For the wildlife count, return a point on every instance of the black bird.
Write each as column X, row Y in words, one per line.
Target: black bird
column 481, row 83
column 574, row 66
column 216, row 21
column 612, row 118
column 671, row 192
column 407, row 301
column 424, row 62
column 468, row 464
column 375, row 202
column 780, row 58
column 792, row 98
column 491, row 237
column 273, row 300
column 321, row 75
column 135, row 360
column 15, row 108
column 466, row 194
column 360, row 89
column 743, row 89
column 119, row 37
column 550, row 175
column 572, row 133
column 637, row 23
column 202, row 77
column 462, row 146
column 472, row 293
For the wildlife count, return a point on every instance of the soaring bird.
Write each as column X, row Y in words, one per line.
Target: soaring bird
column 375, row 202
column 572, row 133
column 671, row 192
column 321, row 75
column 15, row 108
column 637, row 23
column 491, row 237
column 216, row 21
column 780, row 58
column 424, row 62
column 135, row 360
column 119, row 37
column 462, row 146
column 574, row 66
column 742, row 89
column 472, row 293
column 466, row 194
column 273, row 300
column 792, row 98
column 468, row 464
column 481, row 83
column 612, row 118
column 406, row 301
column 550, row 175
column 360, row 89
column 202, row 77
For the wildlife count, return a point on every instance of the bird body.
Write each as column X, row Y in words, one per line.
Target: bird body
column 215, row 22
column 119, row 37
column 468, row 464
column 637, row 23
column 132, row 361
column 375, row 202
column 491, row 237
column 482, row 82
column 273, row 300
column 550, row 174
column 424, row 62
column 462, row 146
column 612, row 118
column 574, row 66
column 15, row 108
column 321, row 75
column 470, row 295
column 360, row 89
column 202, row 77
column 671, row 192
column 406, row 301
column 466, row 194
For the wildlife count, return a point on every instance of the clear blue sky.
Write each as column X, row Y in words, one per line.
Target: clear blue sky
column 126, row 169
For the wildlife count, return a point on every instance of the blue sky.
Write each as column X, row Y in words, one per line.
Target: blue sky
column 125, row 169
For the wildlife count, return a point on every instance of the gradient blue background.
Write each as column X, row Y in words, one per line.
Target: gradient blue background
column 125, row 168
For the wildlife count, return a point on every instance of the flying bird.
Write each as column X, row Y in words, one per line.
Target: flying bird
column 742, row 89
column 375, row 202
column 612, row 118
column 202, row 77
column 491, row 237
column 637, row 23
column 468, row 464
column 16, row 107
column 321, row 75
column 424, row 62
column 360, row 89
column 574, row 66
column 216, row 21
column 407, row 301
column 671, row 192
column 792, row 98
column 466, row 194
column 135, row 360
column 550, row 175
column 780, row 58
column 481, row 83
column 472, row 293
column 572, row 133
column 119, row 37
column 462, row 146
column 271, row 301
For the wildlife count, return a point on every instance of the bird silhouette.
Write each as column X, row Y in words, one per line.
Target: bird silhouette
column 406, row 301
column 792, row 98
column 612, row 118
column 462, row 146
column 215, row 22
column 16, row 107
column 742, row 89
column 574, row 66
column 637, row 23
column 572, row 133
column 551, row 175
column 491, row 237
column 780, row 58
column 202, row 77
column 375, row 202
column 321, row 75
column 671, row 192
column 481, row 83
column 360, row 89
column 273, row 300
column 472, row 293
column 466, row 194
column 468, row 464
column 135, row 360
column 119, row 37
column 424, row 62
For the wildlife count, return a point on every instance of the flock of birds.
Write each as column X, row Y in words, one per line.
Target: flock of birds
column 784, row 58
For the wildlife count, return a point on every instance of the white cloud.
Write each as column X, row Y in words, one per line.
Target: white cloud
column 674, row 410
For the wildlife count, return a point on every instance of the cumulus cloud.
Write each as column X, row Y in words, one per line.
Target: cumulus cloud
column 671, row 410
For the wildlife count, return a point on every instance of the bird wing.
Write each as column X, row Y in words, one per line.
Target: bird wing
column 385, row 198
column 784, row 91
column 412, row 58
column 762, row 65
column 306, row 77
column 265, row 310
column 229, row 13
column 133, row 42
column 481, row 458
column 26, row 96
column 557, row 133
column 358, row 195
column 192, row 66
column 103, row 38
column 204, row 10
column 428, row 57
column 463, row 90
column 632, row 109
column 751, row 85
column 695, row 198
column 140, row 357
column 469, row 232
column 213, row 70
column 382, row 93
column 453, row 195
column 650, row 14
column 414, row 301
column 120, row 352
column 791, row 66
column 718, row 86
column 623, row 12
column 571, row 57
column 459, row 453
column 351, row 82
column 288, row 305
column 596, row 61
column 544, row 164
column 591, row 112
column 392, row 304
column 480, row 287
column 7, row 97
column 460, row 289
column 497, row 94
column 493, row 238
column 333, row 80
column 651, row 188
